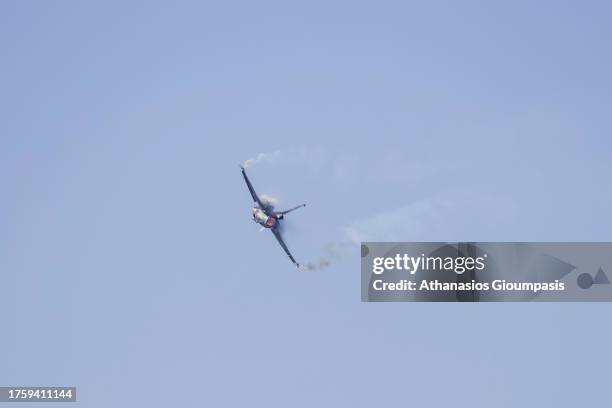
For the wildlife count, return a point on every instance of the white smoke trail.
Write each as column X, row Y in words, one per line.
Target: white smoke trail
column 269, row 157
column 450, row 216
column 268, row 201
column 314, row 266
column 312, row 157
column 331, row 253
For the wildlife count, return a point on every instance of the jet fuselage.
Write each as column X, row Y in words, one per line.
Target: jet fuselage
column 263, row 219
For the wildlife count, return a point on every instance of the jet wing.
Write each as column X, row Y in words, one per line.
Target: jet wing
column 282, row 243
column 251, row 189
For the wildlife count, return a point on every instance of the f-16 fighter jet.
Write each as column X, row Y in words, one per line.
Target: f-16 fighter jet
column 264, row 214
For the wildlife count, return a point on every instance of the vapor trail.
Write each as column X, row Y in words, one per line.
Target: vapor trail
column 331, row 253
column 269, row 157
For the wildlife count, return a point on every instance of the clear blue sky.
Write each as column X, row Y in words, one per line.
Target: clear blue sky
column 131, row 267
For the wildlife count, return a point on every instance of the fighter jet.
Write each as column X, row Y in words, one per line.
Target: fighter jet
column 264, row 214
